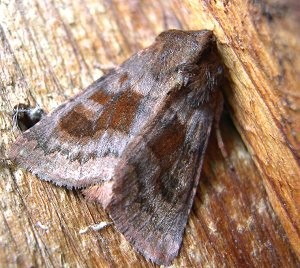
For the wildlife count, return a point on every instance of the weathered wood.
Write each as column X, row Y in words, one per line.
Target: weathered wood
column 50, row 50
column 260, row 45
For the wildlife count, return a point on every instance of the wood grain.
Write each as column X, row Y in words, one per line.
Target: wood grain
column 260, row 48
column 50, row 50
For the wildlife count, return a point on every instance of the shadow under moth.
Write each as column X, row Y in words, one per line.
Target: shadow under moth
column 135, row 139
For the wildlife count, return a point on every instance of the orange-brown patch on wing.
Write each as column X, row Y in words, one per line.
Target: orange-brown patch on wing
column 167, row 143
column 100, row 97
column 123, row 78
column 76, row 123
column 120, row 113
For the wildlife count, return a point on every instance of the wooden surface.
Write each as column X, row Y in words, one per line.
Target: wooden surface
column 50, row 50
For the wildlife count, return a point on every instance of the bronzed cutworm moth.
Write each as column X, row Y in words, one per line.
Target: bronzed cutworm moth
column 135, row 139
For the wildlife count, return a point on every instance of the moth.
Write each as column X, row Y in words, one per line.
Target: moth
column 25, row 116
column 135, row 139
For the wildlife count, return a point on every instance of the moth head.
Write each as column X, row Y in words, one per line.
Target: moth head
column 190, row 57
column 178, row 47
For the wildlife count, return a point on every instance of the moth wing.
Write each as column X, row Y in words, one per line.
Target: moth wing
column 80, row 143
column 152, row 193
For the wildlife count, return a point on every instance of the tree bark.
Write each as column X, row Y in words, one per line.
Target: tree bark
column 249, row 216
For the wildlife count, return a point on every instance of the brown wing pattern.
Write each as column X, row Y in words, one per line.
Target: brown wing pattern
column 154, row 188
